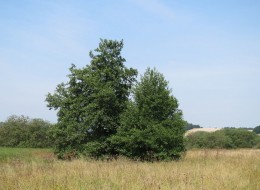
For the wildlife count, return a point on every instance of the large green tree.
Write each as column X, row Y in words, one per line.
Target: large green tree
column 90, row 104
column 152, row 126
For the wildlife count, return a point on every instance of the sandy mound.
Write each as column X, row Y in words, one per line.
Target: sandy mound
column 201, row 129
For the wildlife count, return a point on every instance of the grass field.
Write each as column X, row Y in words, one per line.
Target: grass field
column 200, row 169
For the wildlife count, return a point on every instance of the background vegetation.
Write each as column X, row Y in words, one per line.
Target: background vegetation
column 21, row 131
column 224, row 138
column 257, row 129
column 189, row 126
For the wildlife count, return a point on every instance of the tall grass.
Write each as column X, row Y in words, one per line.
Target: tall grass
column 23, row 154
column 200, row 169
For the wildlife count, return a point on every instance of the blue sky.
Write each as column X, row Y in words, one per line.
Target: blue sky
column 209, row 51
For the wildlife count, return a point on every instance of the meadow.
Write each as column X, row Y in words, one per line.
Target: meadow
column 199, row 169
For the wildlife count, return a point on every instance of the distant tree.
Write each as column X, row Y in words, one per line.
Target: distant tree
column 247, row 128
column 13, row 131
column 152, row 126
column 257, row 144
column 21, row 131
column 257, row 129
column 241, row 138
column 203, row 139
column 90, row 104
column 224, row 138
column 38, row 134
column 189, row 126
column 196, row 140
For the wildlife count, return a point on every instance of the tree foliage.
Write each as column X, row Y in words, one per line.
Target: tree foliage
column 240, row 138
column 91, row 102
column 152, row 126
column 189, row 126
column 257, row 129
column 21, row 131
column 203, row 139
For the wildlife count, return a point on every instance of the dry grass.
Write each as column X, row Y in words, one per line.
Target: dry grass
column 200, row 169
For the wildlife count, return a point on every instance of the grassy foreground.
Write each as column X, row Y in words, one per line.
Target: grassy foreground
column 200, row 169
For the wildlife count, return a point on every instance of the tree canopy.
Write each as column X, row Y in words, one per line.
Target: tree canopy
column 90, row 103
column 152, row 126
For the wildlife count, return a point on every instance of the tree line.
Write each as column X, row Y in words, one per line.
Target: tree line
column 225, row 138
column 189, row 126
column 21, row 131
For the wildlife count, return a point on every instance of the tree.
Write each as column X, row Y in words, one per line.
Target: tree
column 90, row 104
column 241, row 138
column 13, row 131
column 202, row 139
column 257, row 129
column 38, row 134
column 224, row 138
column 189, row 126
column 152, row 126
column 21, row 131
